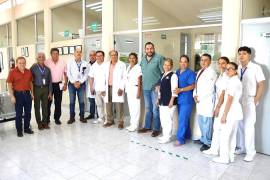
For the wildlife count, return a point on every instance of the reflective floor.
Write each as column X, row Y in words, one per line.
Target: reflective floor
column 87, row 151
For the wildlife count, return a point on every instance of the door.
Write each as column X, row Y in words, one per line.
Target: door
column 257, row 36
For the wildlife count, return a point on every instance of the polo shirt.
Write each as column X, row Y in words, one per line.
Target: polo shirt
column 20, row 81
column 151, row 71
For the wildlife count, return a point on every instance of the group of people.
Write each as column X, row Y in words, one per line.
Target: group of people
column 225, row 103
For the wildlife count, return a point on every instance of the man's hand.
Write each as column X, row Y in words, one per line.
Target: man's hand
column 223, row 119
column 256, row 101
column 170, row 104
column 65, row 87
column 50, row 96
column 196, row 99
column 77, row 84
column 92, row 91
column 13, row 99
column 138, row 95
column 103, row 93
column 32, row 96
column 177, row 90
column 120, row 92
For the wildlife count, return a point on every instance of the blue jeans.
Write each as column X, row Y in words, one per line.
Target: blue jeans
column 151, row 110
column 206, row 127
column 184, row 113
column 72, row 98
column 23, row 103
column 92, row 105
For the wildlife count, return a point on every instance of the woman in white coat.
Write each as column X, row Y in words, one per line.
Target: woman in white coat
column 114, row 81
column 220, row 86
column 231, row 114
column 133, row 81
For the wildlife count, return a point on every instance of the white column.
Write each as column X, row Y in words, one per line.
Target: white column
column 47, row 28
column 231, row 16
column 13, row 30
column 107, row 27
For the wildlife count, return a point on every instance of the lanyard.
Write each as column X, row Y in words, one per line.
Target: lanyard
column 42, row 70
column 79, row 66
column 242, row 73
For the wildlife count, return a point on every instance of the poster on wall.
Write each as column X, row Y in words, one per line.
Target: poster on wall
column 26, row 52
column 71, row 49
column 78, row 47
column 22, row 51
column 60, row 50
column 65, row 50
column 1, row 62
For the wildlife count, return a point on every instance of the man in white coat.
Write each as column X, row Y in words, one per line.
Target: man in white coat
column 114, row 78
column 253, row 81
column 204, row 97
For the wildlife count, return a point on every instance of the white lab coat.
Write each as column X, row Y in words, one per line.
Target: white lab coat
column 118, row 80
column 205, row 90
column 88, row 93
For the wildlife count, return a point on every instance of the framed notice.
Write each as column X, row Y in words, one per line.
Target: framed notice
column 71, row 49
column 60, row 50
column 26, row 52
column 1, row 61
column 78, row 47
column 65, row 50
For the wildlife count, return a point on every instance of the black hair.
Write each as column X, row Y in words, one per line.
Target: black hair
column 133, row 54
column 224, row 58
column 234, row 65
column 54, row 49
column 184, row 56
column 149, row 43
column 207, row 55
column 102, row 52
column 245, row 48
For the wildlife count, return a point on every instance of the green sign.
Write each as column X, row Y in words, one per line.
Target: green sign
column 66, row 34
column 94, row 27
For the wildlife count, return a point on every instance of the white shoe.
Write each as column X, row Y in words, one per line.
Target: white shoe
column 163, row 140
column 131, row 128
column 210, row 152
column 94, row 121
column 249, row 158
column 221, row 160
column 239, row 151
column 100, row 120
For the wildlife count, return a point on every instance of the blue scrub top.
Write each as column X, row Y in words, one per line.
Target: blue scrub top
column 186, row 78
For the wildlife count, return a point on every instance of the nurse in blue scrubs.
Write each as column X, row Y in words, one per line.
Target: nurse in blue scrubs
column 186, row 84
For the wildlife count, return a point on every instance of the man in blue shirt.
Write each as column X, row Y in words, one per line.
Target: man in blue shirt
column 152, row 67
column 186, row 84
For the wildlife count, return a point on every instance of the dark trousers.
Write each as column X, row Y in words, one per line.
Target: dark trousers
column 41, row 96
column 57, row 95
column 23, row 104
column 92, row 105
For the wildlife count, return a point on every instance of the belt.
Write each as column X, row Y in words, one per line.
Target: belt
column 56, row 82
column 26, row 91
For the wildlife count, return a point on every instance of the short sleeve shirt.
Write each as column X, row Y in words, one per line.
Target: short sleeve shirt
column 20, row 81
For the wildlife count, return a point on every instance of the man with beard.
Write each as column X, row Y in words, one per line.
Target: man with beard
column 152, row 67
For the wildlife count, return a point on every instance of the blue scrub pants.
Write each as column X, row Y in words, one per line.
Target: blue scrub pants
column 184, row 113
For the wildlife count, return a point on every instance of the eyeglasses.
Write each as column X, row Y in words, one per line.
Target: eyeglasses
column 230, row 68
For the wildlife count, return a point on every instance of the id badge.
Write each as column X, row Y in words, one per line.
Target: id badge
column 43, row 81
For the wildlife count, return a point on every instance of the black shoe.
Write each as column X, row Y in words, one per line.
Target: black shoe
column 71, row 120
column 204, row 147
column 58, row 122
column 19, row 134
column 155, row 133
column 28, row 131
column 197, row 142
column 91, row 116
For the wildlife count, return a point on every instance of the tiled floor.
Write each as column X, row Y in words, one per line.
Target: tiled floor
column 87, row 151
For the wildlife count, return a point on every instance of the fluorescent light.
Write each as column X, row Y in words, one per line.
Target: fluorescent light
column 129, row 41
column 96, row 7
column 93, row 4
column 210, row 15
column 98, row 10
column 150, row 24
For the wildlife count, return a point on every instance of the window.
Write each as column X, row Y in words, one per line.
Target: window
column 193, row 42
column 26, row 30
column 93, row 17
column 67, row 22
column 256, row 9
column 164, row 14
column 40, row 27
column 125, row 15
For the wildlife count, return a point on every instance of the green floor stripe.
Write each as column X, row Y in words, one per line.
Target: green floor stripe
column 161, row 150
